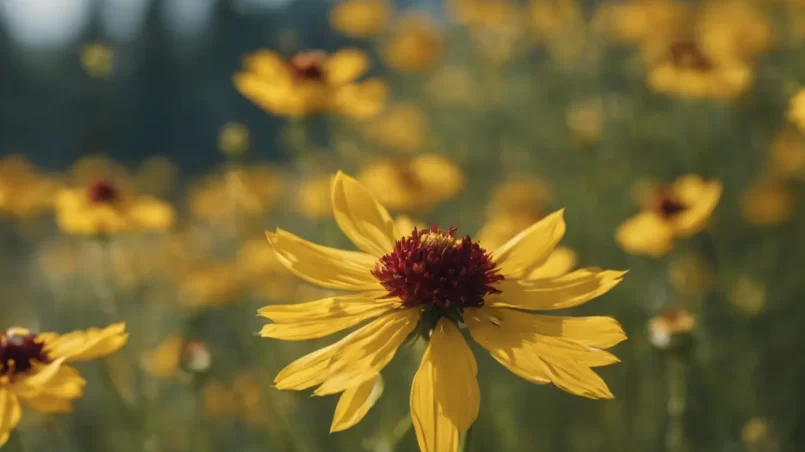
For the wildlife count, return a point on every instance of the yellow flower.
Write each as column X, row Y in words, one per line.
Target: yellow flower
column 676, row 211
column 796, row 110
column 233, row 193
column 24, row 191
column 401, row 127
column 260, row 269
column 787, row 155
column 313, row 197
column 638, row 21
column 521, row 198
column 685, row 69
column 768, row 202
column 34, row 369
column 97, row 60
column 586, row 120
column 156, row 176
column 311, row 82
column 102, row 208
column 360, row 18
column 484, row 14
column 416, row 44
column 747, row 295
column 411, row 184
column 210, row 284
column 164, row 360
column 734, row 28
column 430, row 282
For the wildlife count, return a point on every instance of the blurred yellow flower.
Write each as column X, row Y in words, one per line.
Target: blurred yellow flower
column 34, row 369
column 684, row 69
column 787, row 154
column 156, row 176
column 233, row 139
column 219, row 400
column 164, row 360
column 229, row 194
column 311, row 82
column 638, row 21
column 418, row 183
column 734, row 28
column 768, row 202
column 360, row 18
column 796, row 110
column 313, row 197
column 238, row 398
column 689, row 274
column 672, row 328
column 428, row 282
column 401, row 127
column 585, row 119
column 103, row 208
column 754, row 431
column 260, row 269
column 679, row 210
column 485, row 14
column 416, row 43
column 210, row 284
column 521, row 198
column 97, row 59
column 24, row 191
column 452, row 85
column 747, row 295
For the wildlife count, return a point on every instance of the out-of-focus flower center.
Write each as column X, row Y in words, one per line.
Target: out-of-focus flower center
column 103, row 192
column 18, row 351
column 437, row 271
column 308, row 65
column 668, row 206
column 687, row 54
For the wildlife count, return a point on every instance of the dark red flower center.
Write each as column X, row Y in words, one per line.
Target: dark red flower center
column 668, row 205
column 18, row 352
column 437, row 271
column 687, row 54
column 308, row 65
column 103, row 192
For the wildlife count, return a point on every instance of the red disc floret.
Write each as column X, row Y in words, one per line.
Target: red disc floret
column 103, row 192
column 432, row 267
column 668, row 205
column 18, row 353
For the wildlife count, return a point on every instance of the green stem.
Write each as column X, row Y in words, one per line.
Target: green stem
column 675, row 440
column 466, row 441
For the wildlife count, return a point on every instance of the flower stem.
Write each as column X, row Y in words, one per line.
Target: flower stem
column 466, row 441
column 675, row 440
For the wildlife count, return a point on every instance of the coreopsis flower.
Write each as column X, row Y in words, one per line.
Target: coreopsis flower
column 311, row 82
column 104, row 207
column 360, row 18
column 313, row 196
column 678, row 210
column 25, row 192
column 433, row 282
column 481, row 15
column 731, row 27
column 236, row 193
column 417, row 183
column 639, row 21
column 416, row 43
column 401, row 127
column 261, row 271
column 34, row 368
column 768, row 202
column 796, row 110
column 685, row 69
column 787, row 155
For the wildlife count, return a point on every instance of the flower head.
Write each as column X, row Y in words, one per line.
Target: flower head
column 360, row 18
column 311, row 82
column 416, row 44
column 433, row 281
column 34, row 369
column 679, row 210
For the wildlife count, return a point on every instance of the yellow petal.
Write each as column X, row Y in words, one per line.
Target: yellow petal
column 151, row 213
column 323, row 266
column 572, row 289
column 368, row 350
column 361, row 217
column 314, row 329
column 702, row 201
column 34, row 382
column 346, row 65
column 511, row 338
column 645, row 233
column 309, row 370
column 561, row 261
column 90, row 344
column 10, row 413
column 531, row 248
column 328, row 308
column 444, row 396
column 361, row 100
column 355, row 403
column 595, row 331
column 50, row 404
column 66, row 383
column 267, row 65
column 267, row 95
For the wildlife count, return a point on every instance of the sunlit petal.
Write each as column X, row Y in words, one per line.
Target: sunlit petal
column 10, row 412
column 530, row 249
column 89, row 344
column 572, row 289
column 361, row 217
column 355, row 403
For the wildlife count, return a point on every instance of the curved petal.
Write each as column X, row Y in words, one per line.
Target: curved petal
column 511, row 339
column 559, row 262
column 10, row 413
column 595, row 331
column 572, row 289
column 361, row 217
column 66, row 383
column 530, row 248
column 355, row 403
column 702, row 204
column 49, row 404
column 445, row 398
column 361, row 100
column 34, row 383
column 325, row 326
column 645, row 233
column 345, row 66
column 323, row 266
column 325, row 309
column 309, row 370
column 90, row 344
column 368, row 351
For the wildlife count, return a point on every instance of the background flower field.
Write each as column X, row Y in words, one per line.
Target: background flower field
column 148, row 144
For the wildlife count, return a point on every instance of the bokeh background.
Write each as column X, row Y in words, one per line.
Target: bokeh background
column 496, row 113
